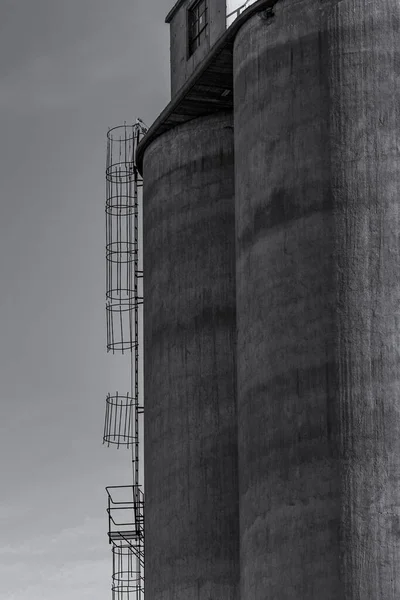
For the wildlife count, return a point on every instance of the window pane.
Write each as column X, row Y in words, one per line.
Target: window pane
column 197, row 22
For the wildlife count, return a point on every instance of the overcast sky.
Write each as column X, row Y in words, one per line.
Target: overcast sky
column 69, row 69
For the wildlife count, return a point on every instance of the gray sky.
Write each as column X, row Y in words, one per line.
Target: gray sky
column 69, row 69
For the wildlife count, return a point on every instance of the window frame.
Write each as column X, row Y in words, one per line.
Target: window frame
column 196, row 34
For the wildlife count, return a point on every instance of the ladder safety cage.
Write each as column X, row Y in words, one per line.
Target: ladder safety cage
column 124, row 289
column 124, row 304
column 127, row 579
column 119, row 421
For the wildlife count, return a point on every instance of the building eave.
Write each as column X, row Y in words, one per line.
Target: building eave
column 173, row 10
column 208, row 90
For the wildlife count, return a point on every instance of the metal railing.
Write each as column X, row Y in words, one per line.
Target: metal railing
column 126, row 514
column 230, row 18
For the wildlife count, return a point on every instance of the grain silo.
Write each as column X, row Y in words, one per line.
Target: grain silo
column 271, row 259
column 192, row 519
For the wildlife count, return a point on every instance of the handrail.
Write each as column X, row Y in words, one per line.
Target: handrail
column 136, row 493
column 240, row 9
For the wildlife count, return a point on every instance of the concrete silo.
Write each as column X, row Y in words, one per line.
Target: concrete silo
column 313, row 86
column 191, row 517
column 317, row 129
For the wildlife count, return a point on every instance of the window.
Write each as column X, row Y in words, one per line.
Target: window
column 198, row 24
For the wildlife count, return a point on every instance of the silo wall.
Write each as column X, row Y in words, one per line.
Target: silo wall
column 190, row 437
column 317, row 129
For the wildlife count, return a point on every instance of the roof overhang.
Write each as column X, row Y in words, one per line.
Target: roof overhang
column 208, row 90
column 173, row 10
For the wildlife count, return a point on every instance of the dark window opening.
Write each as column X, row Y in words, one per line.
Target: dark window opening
column 198, row 25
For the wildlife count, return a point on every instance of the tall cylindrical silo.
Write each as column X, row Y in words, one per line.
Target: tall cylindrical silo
column 192, row 539
column 317, row 130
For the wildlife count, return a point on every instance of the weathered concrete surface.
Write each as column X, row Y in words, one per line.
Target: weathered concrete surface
column 183, row 65
column 317, row 130
column 192, row 521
